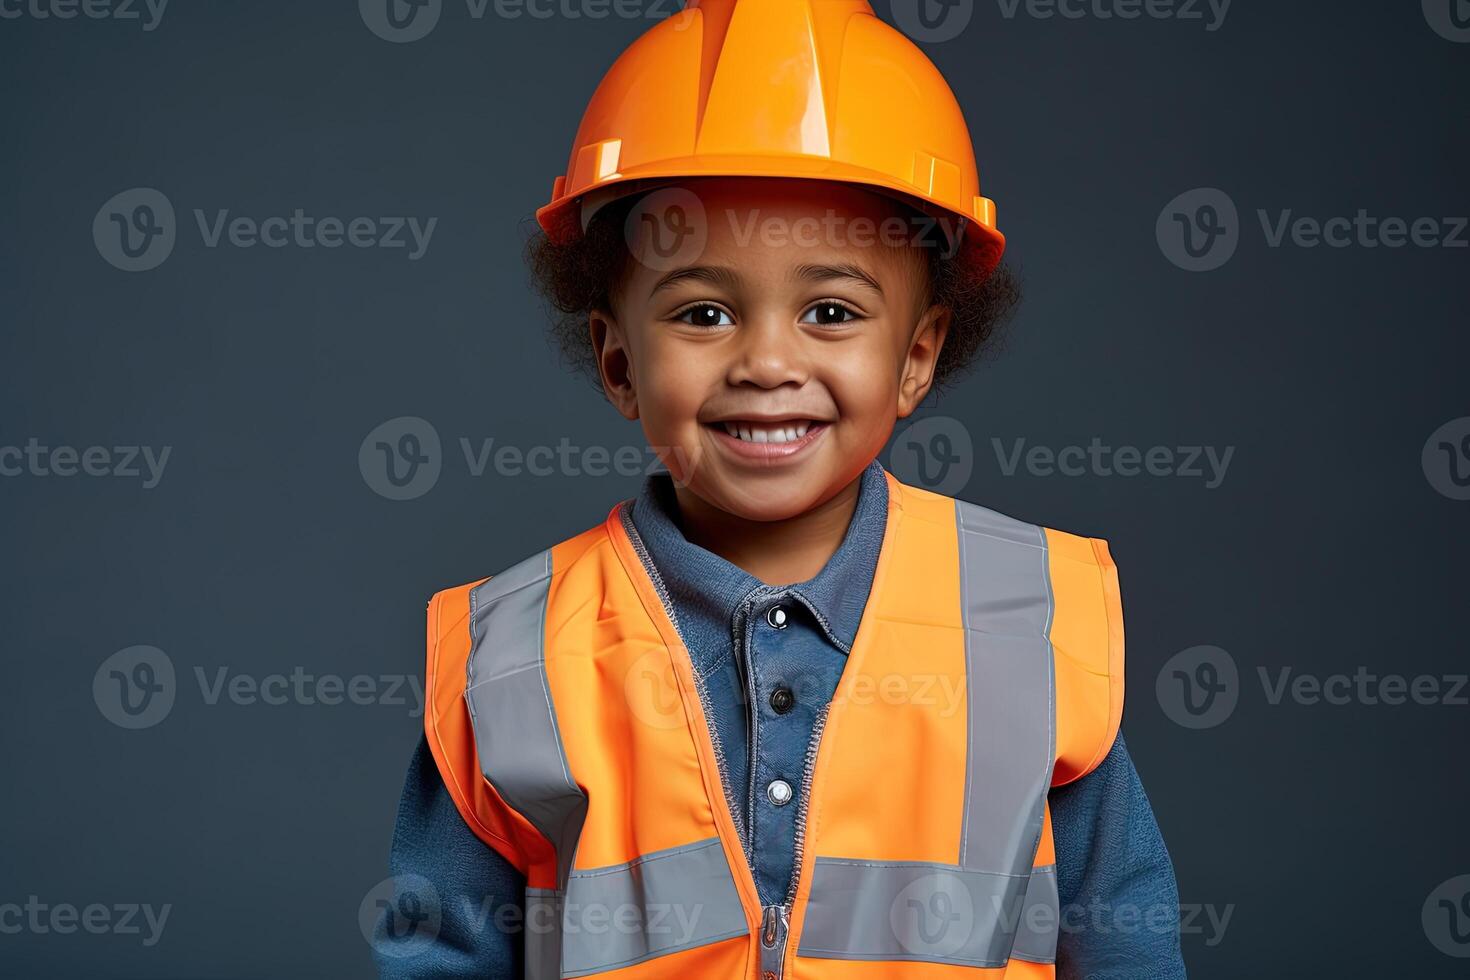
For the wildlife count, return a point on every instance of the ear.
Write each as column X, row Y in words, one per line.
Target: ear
column 923, row 357
column 614, row 361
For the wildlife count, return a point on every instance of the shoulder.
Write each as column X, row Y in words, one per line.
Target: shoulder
column 1075, row 578
column 969, row 516
column 492, row 614
column 456, row 605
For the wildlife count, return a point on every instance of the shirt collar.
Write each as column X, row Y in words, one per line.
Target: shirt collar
column 702, row 583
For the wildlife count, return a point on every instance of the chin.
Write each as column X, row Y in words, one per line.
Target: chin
column 763, row 497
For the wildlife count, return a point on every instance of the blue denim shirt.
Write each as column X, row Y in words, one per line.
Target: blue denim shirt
column 769, row 659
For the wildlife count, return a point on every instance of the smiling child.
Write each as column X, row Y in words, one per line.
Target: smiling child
column 780, row 714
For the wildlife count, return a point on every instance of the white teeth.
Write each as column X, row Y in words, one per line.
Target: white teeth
column 782, row 432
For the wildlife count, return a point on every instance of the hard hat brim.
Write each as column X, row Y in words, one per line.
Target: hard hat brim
column 981, row 244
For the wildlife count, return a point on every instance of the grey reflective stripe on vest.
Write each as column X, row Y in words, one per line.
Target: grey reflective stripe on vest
column 1005, row 586
column 969, row 913
column 601, row 918
column 543, row 935
column 516, row 737
column 932, row 913
column 1041, row 917
column 660, row 903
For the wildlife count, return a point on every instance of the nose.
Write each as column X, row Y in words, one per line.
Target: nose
column 769, row 353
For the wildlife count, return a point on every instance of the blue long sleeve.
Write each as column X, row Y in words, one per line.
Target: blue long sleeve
column 480, row 896
column 1119, row 900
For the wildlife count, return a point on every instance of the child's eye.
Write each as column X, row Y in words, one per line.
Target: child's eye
column 829, row 313
column 704, row 315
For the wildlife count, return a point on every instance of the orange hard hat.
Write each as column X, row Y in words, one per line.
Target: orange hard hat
column 815, row 89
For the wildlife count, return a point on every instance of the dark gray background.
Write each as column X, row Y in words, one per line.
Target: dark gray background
column 1322, row 829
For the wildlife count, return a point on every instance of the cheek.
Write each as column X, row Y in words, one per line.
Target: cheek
column 862, row 376
column 671, row 387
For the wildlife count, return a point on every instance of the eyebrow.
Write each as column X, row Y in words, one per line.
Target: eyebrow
column 846, row 270
column 716, row 274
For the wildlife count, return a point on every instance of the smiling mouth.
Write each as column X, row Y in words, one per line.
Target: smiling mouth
column 787, row 430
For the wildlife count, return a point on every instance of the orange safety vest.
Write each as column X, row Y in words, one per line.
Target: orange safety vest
column 571, row 731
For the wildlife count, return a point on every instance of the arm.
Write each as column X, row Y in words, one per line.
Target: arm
column 478, row 894
column 1119, row 900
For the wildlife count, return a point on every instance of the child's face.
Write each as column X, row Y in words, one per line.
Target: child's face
column 800, row 317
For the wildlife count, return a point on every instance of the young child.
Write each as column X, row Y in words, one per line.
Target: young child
column 780, row 715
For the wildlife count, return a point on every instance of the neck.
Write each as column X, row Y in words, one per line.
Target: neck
column 776, row 552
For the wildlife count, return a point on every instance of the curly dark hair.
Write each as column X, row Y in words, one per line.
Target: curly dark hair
column 581, row 276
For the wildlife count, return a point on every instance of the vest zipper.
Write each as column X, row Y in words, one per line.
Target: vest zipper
column 775, row 919
column 808, row 765
column 774, row 922
column 625, row 515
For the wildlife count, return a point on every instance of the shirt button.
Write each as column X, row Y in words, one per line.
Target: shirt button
column 776, row 616
column 781, row 700
column 779, row 792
